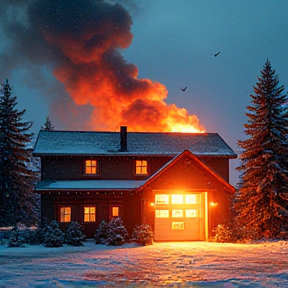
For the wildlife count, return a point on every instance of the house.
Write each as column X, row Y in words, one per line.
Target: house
column 178, row 183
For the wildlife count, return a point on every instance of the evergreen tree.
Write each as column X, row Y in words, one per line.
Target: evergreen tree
column 17, row 201
column 47, row 125
column 262, row 199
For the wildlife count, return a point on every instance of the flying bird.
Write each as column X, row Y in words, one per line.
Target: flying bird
column 215, row 55
column 183, row 89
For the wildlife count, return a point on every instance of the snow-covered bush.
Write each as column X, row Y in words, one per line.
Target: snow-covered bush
column 116, row 233
column 53, row 236
column 16, row 238
column 74, row 235
column 143, row 234
column 32, row 235
column 100, row 235
column 225, row 234
column 36, row 236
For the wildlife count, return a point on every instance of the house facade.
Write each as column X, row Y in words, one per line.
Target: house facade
column 178, row 183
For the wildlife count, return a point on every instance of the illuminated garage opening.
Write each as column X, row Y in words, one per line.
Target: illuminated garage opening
column 180, row 216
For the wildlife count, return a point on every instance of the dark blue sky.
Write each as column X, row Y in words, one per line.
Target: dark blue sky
column 173, row 44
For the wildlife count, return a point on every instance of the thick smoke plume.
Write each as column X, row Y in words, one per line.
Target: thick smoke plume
column 81, row 40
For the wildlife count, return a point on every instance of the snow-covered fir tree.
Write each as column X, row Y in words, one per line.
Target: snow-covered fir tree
column 47, row 125
column 262, row 199
column 17, row 201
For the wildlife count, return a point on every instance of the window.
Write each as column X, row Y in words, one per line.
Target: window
column 162, row 213
column 178, row 225
column 65, row 214
column 89, row 214
column 115, row 211
column 177, row 199
column 190, row 213
column 177, row 213
column 161, row 199
column 91, row 167
column 190, row 199
column 141, row 167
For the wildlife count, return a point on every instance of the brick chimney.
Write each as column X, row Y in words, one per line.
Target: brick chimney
column 123, row 138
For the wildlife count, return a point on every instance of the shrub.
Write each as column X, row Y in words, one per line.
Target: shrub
column 100, row 235
column 223, row 234
column 36, row 236
column 53, row 236
column 16, row 238
column 116, row 233
column 143, row 235
column 74, row 235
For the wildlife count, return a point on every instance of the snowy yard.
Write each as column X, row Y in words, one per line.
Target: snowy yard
column 186, row 264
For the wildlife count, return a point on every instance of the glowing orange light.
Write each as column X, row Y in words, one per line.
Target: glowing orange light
column 185, row 128
column 213, row 204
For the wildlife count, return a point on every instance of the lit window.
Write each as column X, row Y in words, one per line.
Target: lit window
column 115, row 211
column 177, row 213
column 90, row 167
column 190, row 213
column 141, row 167
column 177, row 199
column 162, row 213
column 161, row 199
column 65, row 214
column 190, row 199
column 89, row 214
column 178, row 225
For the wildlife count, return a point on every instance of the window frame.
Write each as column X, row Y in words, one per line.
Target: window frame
column 97, row 167
column 65, row 214
column 141, row 167
column 89, row 214
column 119, row 205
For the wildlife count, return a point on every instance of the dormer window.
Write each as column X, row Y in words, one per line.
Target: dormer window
column 91, row 167
column 141, row 167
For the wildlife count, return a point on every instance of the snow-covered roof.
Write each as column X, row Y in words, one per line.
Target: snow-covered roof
column 138, row 143
column 87, row 185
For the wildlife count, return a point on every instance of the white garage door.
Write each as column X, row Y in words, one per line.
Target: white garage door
column 180, row 217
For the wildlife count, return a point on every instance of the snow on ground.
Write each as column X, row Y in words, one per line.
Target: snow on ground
column 173, row 264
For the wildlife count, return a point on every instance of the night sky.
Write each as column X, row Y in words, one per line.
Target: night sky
column 93, row 65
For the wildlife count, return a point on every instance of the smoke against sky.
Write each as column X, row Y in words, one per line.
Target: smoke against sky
column 82, row 41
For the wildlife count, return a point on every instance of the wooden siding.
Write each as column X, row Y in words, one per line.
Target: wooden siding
column 111, row 168
column 115, row 168
column 131, row 214
column 219, row 164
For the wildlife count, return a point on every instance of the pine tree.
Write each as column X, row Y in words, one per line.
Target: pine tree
column 47, row 125
column 262, row 199
column 17, row 201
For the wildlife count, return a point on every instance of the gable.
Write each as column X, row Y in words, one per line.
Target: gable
column 186, row 171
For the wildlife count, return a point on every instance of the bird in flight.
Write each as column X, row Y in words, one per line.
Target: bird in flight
column 215, row 55
column 183, row 89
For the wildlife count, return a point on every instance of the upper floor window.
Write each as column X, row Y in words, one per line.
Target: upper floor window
column 65, row 214
column 141, row 167
column 91, row 167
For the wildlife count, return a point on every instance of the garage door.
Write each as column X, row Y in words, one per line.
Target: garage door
column 180, row 217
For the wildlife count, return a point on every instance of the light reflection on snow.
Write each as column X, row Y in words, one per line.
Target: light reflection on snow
column 197, row 264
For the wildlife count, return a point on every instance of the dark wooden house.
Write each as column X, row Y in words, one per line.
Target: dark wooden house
column 176, row 182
